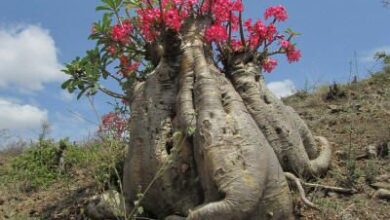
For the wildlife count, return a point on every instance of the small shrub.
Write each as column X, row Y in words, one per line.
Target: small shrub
column 37, row 166
column 100, row 160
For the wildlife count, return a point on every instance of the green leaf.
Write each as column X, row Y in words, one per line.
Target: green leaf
column 103, row 8
column 66, row 84
column 291, row 32
column 81, row 94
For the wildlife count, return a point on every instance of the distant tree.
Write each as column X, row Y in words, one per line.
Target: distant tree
column 206, row 134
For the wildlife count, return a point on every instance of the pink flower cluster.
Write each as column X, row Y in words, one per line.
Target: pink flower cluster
column 147, row 20
column 172, row 19
column 152, row 20
column 259, row 32
column 121, row 32
column 279, row 13
column 269, row 65
column 225, row 12
column 216, row 33
column 293, row 54
column 113, row 123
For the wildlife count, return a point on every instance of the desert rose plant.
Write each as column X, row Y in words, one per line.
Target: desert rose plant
column 208, row 140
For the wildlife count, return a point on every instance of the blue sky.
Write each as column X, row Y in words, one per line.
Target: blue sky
column 38, row 36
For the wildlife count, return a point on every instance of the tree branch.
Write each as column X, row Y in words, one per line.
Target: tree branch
column 113, row 76
column 111, row 93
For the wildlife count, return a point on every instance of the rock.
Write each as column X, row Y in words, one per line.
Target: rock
column 383, row 178
column 109, row 205
column 1, row 201
column 334, row 108
column 381, row 185
column 382, row 194
column 372, row 152
column 333, row 195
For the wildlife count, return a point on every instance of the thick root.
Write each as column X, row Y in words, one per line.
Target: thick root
column 301, row 191
column 288, row 135
column 240, row 174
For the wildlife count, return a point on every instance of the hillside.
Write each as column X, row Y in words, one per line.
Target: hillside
column 354, row 117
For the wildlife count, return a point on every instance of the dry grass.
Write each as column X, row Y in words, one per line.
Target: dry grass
column 351, row 123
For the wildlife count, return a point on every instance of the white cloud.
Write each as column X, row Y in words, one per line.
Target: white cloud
column 28, row 58
column 16, row 116
column 282, row 88
column 369, row 56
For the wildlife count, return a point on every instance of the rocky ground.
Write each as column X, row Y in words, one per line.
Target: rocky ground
column 354, row 117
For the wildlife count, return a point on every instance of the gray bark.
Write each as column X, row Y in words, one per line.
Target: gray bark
column 286, row 132
column 214, row 148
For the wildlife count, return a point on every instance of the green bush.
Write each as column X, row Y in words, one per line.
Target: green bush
column 37, row 166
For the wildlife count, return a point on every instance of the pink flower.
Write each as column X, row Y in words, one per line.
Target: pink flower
column 271, row 32
column 258, row 32
column 278, row 12
column 260, row 29
column 284, row 44
column 216, row 33
column 269, row 65
column 120, row 32
column 147, row 18
column 254, row 41
column 236, row 45
column 293, row 55
column 172, row 19
column 248, row 25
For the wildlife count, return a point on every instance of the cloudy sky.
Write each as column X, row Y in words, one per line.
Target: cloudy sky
column 37, row 37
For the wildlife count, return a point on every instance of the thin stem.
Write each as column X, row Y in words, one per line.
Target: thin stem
column 121, row 189
column 280, row 51
column 241, row 30
column 230, row 29
column 200, row 7
column 150, row 4
column 110, row 93
column 113, row 76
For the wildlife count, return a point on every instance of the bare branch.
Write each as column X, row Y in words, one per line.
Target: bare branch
column 111, row 93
